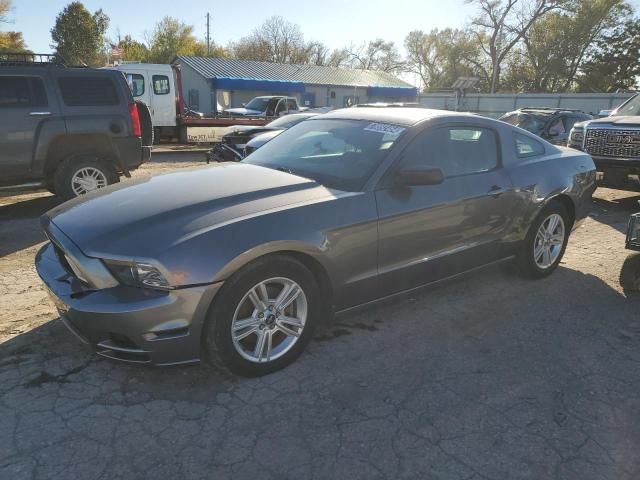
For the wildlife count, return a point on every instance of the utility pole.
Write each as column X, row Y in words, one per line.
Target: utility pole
column 208, row 35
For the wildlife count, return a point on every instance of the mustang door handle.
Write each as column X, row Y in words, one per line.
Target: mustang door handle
column 496, row 191
column 39, row 114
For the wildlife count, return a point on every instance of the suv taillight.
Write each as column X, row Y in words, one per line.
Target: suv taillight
column 135, row 120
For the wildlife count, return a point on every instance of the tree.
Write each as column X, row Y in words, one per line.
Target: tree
column 133, row 50
column 377, row 55
column 78, row 36
column 616, row 63
column 557, row 45
column 12, row 42
column 276, row 40
column 501, row 25
column 170, row 38
column 439, row 57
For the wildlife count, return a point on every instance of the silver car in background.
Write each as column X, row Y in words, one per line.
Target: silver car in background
column 237, row 263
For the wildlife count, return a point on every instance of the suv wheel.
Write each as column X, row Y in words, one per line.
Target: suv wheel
column 79, row 175
column 263, row 318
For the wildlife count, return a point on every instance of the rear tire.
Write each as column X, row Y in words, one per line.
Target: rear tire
column 222, row 345
column 546, row 242
column 79, row 175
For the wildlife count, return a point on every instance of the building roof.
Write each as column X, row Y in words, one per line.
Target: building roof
column 211, row 68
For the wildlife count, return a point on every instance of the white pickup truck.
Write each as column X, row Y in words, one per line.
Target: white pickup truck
column 268, row 106
column 160, row 88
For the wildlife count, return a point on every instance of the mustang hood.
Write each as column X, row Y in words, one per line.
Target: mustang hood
column 144, row 217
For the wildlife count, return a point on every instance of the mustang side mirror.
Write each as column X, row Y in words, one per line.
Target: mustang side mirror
column 427, row 176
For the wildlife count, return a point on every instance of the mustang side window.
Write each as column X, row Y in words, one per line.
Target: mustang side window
column 455, row 150
column 527, row 146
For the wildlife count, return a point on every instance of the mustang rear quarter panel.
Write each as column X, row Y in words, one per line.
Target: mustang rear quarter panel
column 541, row 179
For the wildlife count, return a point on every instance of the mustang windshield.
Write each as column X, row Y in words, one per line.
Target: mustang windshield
column 340, row 154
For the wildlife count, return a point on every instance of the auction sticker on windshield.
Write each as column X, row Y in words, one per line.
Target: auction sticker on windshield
column 384, row 128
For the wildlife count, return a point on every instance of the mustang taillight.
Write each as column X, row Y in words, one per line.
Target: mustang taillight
column 135, row 120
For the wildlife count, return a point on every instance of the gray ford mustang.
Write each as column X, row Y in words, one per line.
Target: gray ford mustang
column 237, row 263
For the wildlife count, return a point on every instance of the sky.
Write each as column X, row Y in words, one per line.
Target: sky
column 336, row 23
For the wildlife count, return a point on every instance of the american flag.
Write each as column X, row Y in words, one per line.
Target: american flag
column 116, row 52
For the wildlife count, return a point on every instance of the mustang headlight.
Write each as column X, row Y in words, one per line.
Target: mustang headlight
column 136, row 274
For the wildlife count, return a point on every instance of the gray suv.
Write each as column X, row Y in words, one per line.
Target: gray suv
column 71, row 130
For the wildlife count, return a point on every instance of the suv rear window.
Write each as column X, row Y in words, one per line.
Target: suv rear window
column 18, row 91
column 87, row 91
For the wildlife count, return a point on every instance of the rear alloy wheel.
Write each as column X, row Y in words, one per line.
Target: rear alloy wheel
column 549, row 241
column 546, row 242
column 263, row 318
column 81, row 175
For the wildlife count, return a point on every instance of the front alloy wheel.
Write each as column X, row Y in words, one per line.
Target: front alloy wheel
column 263, row 317
column 269, row 320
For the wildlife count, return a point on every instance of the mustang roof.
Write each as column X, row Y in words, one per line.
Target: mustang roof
column 399, row 116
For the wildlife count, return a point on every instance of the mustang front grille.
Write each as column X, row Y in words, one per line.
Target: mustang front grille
column 612, row 142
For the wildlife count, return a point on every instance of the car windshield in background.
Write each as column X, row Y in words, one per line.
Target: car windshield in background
column 526, row 121
column 259, row 104
column 630, row 108
column 340, row 154
column 287, row 121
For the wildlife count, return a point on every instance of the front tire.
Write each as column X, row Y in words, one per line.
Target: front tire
column 83, row 174
column 546, row 242
column 263, row 317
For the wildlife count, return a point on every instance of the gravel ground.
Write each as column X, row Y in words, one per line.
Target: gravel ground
column 486, row 377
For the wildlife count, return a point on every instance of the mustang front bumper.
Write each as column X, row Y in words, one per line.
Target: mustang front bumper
column 126, row 323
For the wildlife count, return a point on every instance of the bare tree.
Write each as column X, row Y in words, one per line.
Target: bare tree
column 338, row 58
column 5, row 8
column 501, row 24
column 439, row 57
column 276, row 40
column 376, row 55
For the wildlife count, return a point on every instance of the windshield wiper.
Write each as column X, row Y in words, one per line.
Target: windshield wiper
column 285, row 170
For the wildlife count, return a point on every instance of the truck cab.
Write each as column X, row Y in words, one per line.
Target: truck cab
column 614, row 144
column 155, row 85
